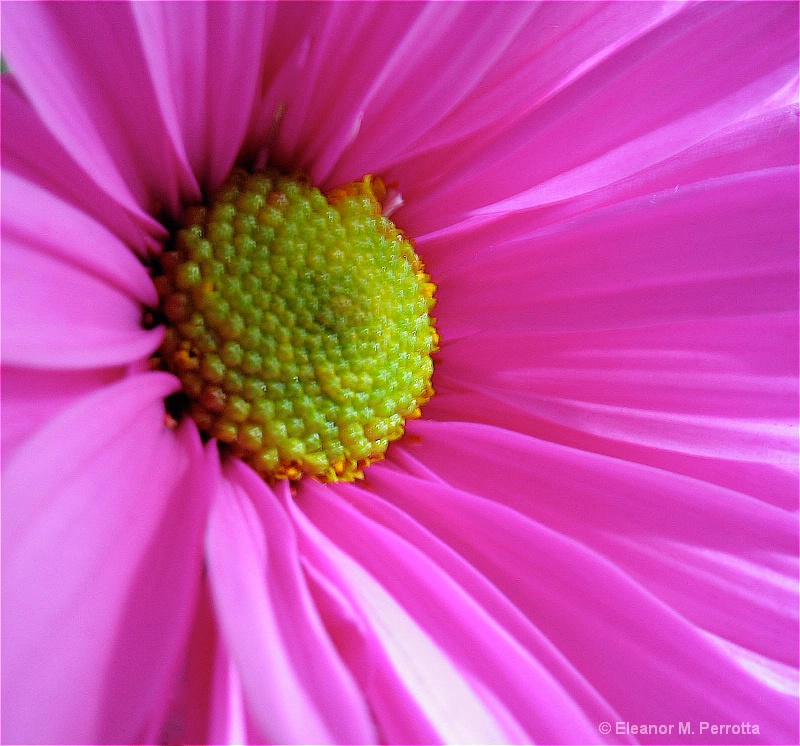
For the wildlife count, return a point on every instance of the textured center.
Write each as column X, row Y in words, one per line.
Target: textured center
column 298, row 323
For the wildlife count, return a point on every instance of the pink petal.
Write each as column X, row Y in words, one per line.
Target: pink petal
column 389, row 108
column 103, row 512
column 296, row 687
column 209, row 706
column 30, row 151
column 558, row 44
column 414, row 689
column 94, row 91
column 40, row 220
column 511, row 685
column 674, row 256
column 699, row 71
column 31, row 398
column 761, row 142
column 194, row 53
column 722, row 560
column 713, row 398
column 58, row 315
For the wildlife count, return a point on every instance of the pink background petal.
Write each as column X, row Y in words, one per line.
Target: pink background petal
column 30, row 151
column 106, row 116
column 295, row 686
column 563, row 520
column 100, row 573
column 706, row 67
column 31, row 398
column 535, row 707
column 56, row 315
column 194, row 53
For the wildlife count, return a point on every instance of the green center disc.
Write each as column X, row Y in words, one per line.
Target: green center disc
column 298, row 324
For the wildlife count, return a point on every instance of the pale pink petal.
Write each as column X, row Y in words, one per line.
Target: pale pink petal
column 712, row 398
column 37, row 218
column 721, row 559
column 689, row 77
column 56, row 315
column 195, row 54
column 563, row 521
column 31, row 398
column 103, row 512
column 30, row 151
column 513, row 686
column 672, row 256
column 415, row 690
column 295, row 685
column 107, row 115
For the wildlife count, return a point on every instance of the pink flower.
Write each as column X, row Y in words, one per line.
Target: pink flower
column 592, row 528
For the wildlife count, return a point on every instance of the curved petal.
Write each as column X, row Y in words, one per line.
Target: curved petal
column 699, row 71
column 103, row 511
column 31, row 152
column 416, row 691
column 512, row 686
column 38, row 219
column 722, row 559
column 674, row 256
column 714, row 398
column 194, row 53
column 209, row 706
column 31, row 398
column 762, row 142
column 557, row 45
column 372, row 99
column 623, row 568
column 94, row 91
column 296, row 687
column 58, row 315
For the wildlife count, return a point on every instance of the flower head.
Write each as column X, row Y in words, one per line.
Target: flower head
column 590, row 533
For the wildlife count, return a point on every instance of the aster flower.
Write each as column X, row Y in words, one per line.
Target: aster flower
column 592, row 527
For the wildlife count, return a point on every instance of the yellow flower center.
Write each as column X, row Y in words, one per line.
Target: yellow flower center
column 298, row 323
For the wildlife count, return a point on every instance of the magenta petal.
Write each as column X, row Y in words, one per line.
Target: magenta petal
column 689, row 557
column 94, row 91
column 391, row 108
column 706, row 67
column 559, row 44
column 511, row 686
column 209, row 706
column 31, row 398
column 31, row 152
column 679, row 255
column 194, row 52
column 295, row 685
column 57, row 315
column 412, row 686
column 103, row 512
column 713, row 398
column 39, row 219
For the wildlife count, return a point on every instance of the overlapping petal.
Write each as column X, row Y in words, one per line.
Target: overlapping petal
column 645, row 559
column 296, row 687
column 31, row 152
column 596, row 521
column 106, row 115
column 486, row 654
column 700, row 70
column 103, row 515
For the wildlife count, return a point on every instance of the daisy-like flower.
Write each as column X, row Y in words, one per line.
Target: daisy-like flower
column 222, row 224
